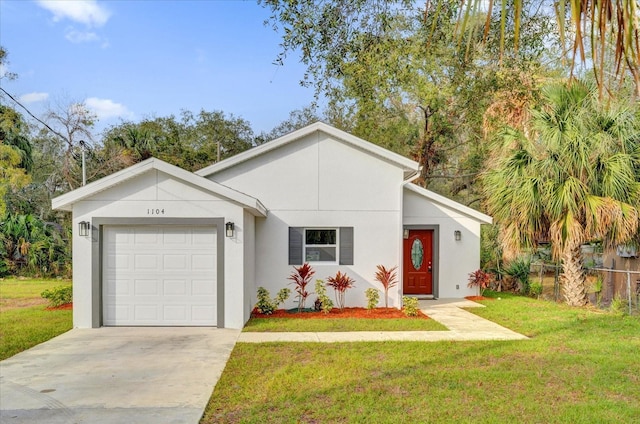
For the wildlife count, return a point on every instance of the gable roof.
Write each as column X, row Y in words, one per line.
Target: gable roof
column 451, row 204
column 66, row 201
column 409, row 166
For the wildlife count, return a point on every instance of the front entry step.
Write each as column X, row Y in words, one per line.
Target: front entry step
column 421, row 296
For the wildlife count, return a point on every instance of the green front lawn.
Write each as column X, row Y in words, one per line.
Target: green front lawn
column 341, row 324
column 24, row 320
column 581, row 366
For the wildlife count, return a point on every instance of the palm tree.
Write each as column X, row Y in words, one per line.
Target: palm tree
column 571, row 177
column 595, row 31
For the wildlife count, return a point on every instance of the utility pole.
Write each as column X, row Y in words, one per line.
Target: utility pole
column 84, row 168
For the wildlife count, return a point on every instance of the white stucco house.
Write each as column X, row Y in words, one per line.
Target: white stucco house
column 157, row 245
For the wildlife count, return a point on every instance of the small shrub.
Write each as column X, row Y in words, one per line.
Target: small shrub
column 373, row 296
column 267, row 306
column 388, row 279
column 619, row 306
column 323, row 302
column 340, row 283
column 535, row 289
column 598, row 285
column 518, row 270
column 410, row 306
column 58, row 296
column 301, row 277
column 480, row 279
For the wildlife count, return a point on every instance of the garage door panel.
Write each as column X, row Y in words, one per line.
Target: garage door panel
column 175, row 262
column 146, row 313
column 119, row 287
column 175, row 287
column 175, row 313
column 203, row 263
column 171, row 282
column 175, row 238
column 145, row 235
column 117, row 312
column 147, row 287
column 203, row 287
column 145, row 262
column 117, row 262
column 204, row 240
column 202, row 313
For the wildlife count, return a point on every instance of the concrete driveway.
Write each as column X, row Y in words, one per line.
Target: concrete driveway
column 115, row 375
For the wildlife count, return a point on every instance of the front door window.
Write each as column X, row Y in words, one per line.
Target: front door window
column 417, row 253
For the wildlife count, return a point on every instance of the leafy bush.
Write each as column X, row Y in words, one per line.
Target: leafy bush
column 410, row 306
column 535, row 289
column 58, row 296
column 301, row 277
column 340, row 283
column 267, row 306
column 518, row 269
column 388, row 279
column 619, row 306
column 33, row 247
column 598, row 285
column 373, row 296
column 323, row 303
column 480, row 279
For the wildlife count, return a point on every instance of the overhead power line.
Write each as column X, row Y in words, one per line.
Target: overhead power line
column 35, row 117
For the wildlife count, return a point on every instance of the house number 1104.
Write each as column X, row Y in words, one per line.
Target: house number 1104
column 155, row 211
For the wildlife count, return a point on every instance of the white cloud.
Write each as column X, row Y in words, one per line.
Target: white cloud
column 107, row 108
column 87, row 12
column 81, row 36
column 33, row 97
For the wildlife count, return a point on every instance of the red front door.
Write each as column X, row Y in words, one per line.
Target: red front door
column 418, row 262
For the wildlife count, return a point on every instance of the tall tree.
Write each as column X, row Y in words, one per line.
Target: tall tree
column 399, row 77
column 570, row 177
column 69, row 126
column 191, row 141
column 15, row 154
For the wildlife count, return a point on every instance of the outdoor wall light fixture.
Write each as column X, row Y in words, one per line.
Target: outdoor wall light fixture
column 405, row 233
column 229, row 227
column 83, row 228
column 458, row 235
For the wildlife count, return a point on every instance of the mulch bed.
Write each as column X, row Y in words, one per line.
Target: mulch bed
column 478, row 298
column 377, row 313
column 56, row 308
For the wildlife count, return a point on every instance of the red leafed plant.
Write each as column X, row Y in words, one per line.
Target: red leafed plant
column 301, row 277
column 340, row 283
column 480, row 279
column 388, row 279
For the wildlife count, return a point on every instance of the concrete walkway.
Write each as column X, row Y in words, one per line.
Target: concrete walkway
column 462, row 325
column 115, row 375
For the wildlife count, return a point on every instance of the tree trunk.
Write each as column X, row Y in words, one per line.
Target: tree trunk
column 574, row 285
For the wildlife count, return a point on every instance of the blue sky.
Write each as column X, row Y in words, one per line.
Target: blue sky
column 135, row 59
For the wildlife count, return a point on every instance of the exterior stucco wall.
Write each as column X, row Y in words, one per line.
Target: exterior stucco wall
column 249, row 245
column 456, row 258
column 137, row 200
column 321, row 182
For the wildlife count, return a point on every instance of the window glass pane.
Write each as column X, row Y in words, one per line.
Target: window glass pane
column 320, row 254
column 321, row 236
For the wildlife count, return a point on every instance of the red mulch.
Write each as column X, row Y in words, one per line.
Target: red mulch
column 478, row 298
column 377, row 313
column 65, row 306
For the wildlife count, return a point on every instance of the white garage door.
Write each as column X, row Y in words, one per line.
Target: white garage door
column 159, row 275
